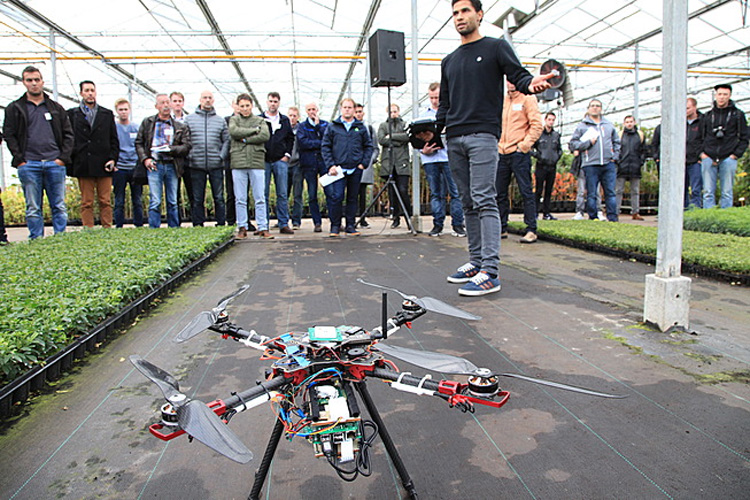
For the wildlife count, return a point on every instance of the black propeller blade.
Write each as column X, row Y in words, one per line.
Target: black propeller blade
column 447, row 363
column 193, row 416
column 429, row 303
column 207, row 318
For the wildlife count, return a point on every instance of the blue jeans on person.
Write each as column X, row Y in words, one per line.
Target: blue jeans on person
column 198, row 203
column 473, row 161
column 607, row 176
column 120, row 180
column 280, row 172
column 3, row 234
column 294, row 185
column 310, row 175
column 441, row 184
column 693, row 185
column 335, row 197
column 519, row 165
column 256, row 178
column 38, row 177
column 724, row 173
column 165, row 176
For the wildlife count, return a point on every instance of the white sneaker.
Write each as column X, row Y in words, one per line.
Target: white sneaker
column 601, row 216
column 578, row 216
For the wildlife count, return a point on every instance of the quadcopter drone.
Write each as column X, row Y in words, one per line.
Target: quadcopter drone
column 311, row 386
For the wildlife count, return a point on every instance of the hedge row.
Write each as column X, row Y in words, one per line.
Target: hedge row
column 734, row 220
column 58, row 287
column 723, row 252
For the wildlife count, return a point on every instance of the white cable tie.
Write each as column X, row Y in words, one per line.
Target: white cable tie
column 410, row 388
column 425, row 378
column 254, row 345
column 257, row 401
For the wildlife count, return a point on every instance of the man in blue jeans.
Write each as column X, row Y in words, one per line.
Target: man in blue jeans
column 598, row 143
column 126, row 162
column 470, row 106
column 438, row 173
column 725, row 139
column 40, row 138
column 278, row 153
column 162, row 145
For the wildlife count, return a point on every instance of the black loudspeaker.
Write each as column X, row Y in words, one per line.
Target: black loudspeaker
column 387, row 60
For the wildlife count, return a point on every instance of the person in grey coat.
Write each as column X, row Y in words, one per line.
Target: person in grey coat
column 210, row 149
column 368, row 175
column 394, row 161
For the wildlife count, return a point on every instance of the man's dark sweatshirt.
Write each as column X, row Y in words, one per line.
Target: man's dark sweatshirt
column 471, row 86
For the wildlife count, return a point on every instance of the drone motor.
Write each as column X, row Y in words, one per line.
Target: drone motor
column 484, row 387
column 168, row 415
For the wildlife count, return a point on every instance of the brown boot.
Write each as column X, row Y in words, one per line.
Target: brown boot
column 265, row 234
column 242, row 233
column 637, row 217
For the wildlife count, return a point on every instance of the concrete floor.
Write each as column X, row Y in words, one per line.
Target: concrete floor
column 563, row 314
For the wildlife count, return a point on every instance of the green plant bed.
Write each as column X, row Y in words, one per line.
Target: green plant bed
column 720, row 252
column 734, row 220
column 56, row 288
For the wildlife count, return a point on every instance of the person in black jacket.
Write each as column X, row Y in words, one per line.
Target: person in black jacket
column 725, row 139
column 39, row 137
column 309, row 139
column 96, row 148
column 278, row 153
column 3, row 234
column 547, row 151
column 632, row 156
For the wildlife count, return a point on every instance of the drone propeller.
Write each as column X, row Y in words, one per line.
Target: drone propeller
column 429, row 303
column 447, row 363
column 207, row 318
column 193, row 416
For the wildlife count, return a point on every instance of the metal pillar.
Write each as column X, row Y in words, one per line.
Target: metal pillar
column 636, row 87
column 416, row 220
column 53, row 63
column 667, row 294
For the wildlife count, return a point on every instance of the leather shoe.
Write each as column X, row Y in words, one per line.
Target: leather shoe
column 637, row 217
column 286, row 230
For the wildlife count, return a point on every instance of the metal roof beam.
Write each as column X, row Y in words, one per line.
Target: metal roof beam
column 369, row 20
column 52, row 25
column 227, row 49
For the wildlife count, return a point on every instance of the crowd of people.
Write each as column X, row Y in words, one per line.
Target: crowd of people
column 469, row 157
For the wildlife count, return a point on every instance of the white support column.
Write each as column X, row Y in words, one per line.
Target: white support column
column 667, row 293
column 416, row 220
column 53, row 63
column 636, row 87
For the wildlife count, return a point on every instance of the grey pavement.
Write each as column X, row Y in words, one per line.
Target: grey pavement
column 563, row 314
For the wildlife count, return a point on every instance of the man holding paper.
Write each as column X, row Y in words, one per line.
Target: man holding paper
column 598, row 142
column 346, row 150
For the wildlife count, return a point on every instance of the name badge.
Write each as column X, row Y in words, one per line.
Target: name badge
column 48, row 117
column 517, row 107
column 133, row 135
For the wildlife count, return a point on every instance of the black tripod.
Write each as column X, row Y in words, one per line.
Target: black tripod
column 390, row 447
column 390, row 182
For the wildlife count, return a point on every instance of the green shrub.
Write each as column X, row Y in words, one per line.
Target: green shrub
column 55, row 288
column 723, row 252
column 734, row 220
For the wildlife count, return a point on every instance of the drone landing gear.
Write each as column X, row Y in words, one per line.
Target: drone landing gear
column 390, row 447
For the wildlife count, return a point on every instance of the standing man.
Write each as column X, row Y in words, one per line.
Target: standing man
column 438, row 173
column 522, row 126
column 597, row 141
column 278, row 153
column 725, row 139
column 177, row 106
column 40, row 139
column 632, row 156
column 309, row 140
column 395, row 163
column 209, row 139
column 470, row 110
column 547, row 151
column 346, row 148
column 95, row 152
column 294, row 182
column 693, row 148
column 162, row 145
column 368, row 176
column 126, row 162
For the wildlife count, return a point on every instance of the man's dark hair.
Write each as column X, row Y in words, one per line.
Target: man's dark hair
column 274, row 94
column 244, row 97
column 80, row 85
column 550, row 113
column 629, row 116
column 477, row 4
column 358, row 105
column 723, row 86
column 30, row 69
